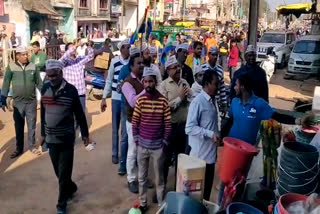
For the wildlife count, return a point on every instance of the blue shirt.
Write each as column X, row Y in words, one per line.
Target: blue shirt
column 202, row 125
column 124, row 73
column 247, row 118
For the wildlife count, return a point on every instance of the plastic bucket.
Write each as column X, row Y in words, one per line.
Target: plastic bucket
column 236, row 156
column 286, row 199
column 238, row 207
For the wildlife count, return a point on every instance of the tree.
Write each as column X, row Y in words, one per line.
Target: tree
column 263, row 7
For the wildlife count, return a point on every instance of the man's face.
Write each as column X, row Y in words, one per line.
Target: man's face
column 242, row 36
column 153, row 43
column 164, row 39
column 199, row 77
column 182, row 55
column 137, row 67
column 211, row 35
column 149, row 83
column 35, row 48
column 251, row 58
column 174, row 71
column 224, row 39
column 198, row 50
column 125, row 51
column 22, row 57
column 146, row 57
column 55, row 77
column 213, row 86
column 177, row 38
column 237, row 88
column 213, row 57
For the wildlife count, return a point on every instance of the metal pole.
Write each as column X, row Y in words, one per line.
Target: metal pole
column 122, row 18
column 253, row 22
column 154, row 12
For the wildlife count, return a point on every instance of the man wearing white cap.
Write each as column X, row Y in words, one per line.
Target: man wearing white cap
column 153, row 53
column 197, row 85
column 111, row 86
column 125, row 73
column 178, row 93
column 25, row 78
column 222, row 98
column 181, row 55
column 131, row 89
column 151, row 127
column 147, row 61
column 60, row 106
column 258, row 75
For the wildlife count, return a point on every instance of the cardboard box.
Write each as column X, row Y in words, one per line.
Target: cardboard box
column 102, row 61
column 190, row 176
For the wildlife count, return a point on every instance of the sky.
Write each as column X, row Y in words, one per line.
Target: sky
column 274, row 3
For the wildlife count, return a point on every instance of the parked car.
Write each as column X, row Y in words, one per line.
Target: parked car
column 305, row 56
column 98, row 43
column 282, row 43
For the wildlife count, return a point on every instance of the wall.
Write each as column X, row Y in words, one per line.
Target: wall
column 67, row 24
column 130, row 19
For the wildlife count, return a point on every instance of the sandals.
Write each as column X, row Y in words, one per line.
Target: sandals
column 15, row 154
column 35, row 151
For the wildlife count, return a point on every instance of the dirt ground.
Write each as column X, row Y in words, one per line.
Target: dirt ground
column 28, row 184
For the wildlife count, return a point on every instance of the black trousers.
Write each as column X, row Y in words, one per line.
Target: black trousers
column 177, row 145
column 208, row 181
column 62, row 161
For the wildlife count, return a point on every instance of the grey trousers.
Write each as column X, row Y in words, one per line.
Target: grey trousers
column 143, row 166
column 22, row 111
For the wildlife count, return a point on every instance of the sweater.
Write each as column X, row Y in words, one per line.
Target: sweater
column 151, row 121
column 58, row 111
column 233, row 56
column 24, row 81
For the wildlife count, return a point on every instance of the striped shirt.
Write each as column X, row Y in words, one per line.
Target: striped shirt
column 221, row 94
column 151, row 121
column 112, row 80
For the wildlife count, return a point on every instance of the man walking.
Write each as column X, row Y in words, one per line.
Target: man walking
column 111, row 86
column 202, row 127
column 178, row 93
column 151, row 126
column 24, row 77
column 60, row 103
column 195, row 59
column 132, row 88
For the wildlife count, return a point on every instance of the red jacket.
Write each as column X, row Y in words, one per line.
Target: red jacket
column 233, row 56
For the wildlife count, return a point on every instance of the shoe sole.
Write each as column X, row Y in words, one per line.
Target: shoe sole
column 122, row 173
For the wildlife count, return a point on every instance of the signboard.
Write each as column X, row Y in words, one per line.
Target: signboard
column 1, row 8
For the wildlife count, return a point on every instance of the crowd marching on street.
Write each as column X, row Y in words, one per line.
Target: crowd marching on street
column 161, row 106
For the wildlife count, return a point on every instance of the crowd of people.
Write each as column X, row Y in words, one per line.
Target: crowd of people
column 163, row 109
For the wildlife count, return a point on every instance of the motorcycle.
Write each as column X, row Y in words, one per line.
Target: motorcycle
column 95, row 85
column 269, row 64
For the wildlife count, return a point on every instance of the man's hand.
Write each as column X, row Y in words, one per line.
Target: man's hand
column 103, row 105
column 183, row 92
column 41, row 140
column 215, row 139
column 4, row 103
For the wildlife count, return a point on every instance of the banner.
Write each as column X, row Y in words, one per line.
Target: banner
column 1, row 8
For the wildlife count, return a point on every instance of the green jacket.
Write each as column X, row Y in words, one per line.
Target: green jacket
column 24, row 81
column 39, row 60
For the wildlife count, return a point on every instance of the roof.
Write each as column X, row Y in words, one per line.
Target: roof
column 39, row 6
column 296, row 9
column 311, row 37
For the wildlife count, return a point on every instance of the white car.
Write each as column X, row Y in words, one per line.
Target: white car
column 98, row 43
column 305, row 56
column 282, row 43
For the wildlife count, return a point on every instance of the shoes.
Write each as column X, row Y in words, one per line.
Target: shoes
column 61, row 211
column 115, row 160
column 15, row 154
column 143, row 209
column 149, row 183
column 122, row 170
column 133, row 187
column 154, row 198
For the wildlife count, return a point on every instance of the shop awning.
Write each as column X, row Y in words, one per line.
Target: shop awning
column 295, row 9
column 40, row 6
column 186, row 24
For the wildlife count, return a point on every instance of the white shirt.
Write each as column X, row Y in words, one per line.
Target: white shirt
column 42, row 42
column 81, row 50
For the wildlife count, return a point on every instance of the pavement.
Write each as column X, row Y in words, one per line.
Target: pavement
column 29, row 186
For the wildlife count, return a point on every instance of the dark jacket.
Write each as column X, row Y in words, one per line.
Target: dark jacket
column 259, row 79
column 58, row 110
column 187, row 74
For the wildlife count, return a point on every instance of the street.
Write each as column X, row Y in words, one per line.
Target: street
column 29, row 185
